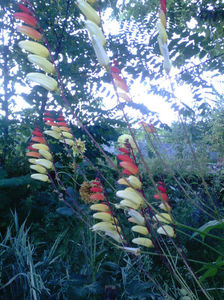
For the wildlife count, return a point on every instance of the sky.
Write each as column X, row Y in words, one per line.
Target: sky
column 138, row 90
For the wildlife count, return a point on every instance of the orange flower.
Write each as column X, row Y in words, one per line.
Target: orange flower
column 38, row 139
column 29, row 31
column 162, row 195
column 97, row 197
column 130, row 167
column 120, row 82
column 124, row 158
column 33, row 154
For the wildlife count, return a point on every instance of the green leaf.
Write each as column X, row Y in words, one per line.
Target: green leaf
column 65, row 211
column 204, row 229
column 211, row 272
column 111, row 266
column 15, row 182
column 139, row 289
column 3, row 173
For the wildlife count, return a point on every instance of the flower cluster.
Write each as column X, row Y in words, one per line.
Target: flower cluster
column 162, row 38
column 127, row 142
column 93, row 192
column 41, row 158
column 61, row 131
column 165, row 218
column 132, row 198
column 148, row 127
column 39, row 52
column 120, row 83
column 96, row 35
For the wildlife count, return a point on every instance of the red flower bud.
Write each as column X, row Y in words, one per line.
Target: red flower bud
column 24, row 8
column 115, row 70
column 61, row 124
column 162, row 189
column 162, row 195
column 51, row 123
column 95, row 189
column 96, row 182
column 163, row 5
column 48, row 119
column 37, row 132
column 26, row 18
column 97, row 197
column 124, row 150
column 31, row 148
column 124, row 158
column 126, row 172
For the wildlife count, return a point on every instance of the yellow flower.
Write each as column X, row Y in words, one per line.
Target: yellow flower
column 131, row 180
column 99, row 207
column 137, row 217
column 53, row 133
column 163, row 217
column 40, row 146
column 135, row 251
column 44, row 162
column 103, row 226
column 124, row 139
column 140, row 229
column 127, row 204
column 103, row 216
column 41, row 177
column 79, row 148
column 143, row 242
column 131, row 195
column 88, row 11
column 114, row 235
column 166, row 230
column 39, row 169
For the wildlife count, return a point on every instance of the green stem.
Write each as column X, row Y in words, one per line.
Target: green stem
column 206, row 245
column 200, row 232
column 176, row 257
column 93, row 262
